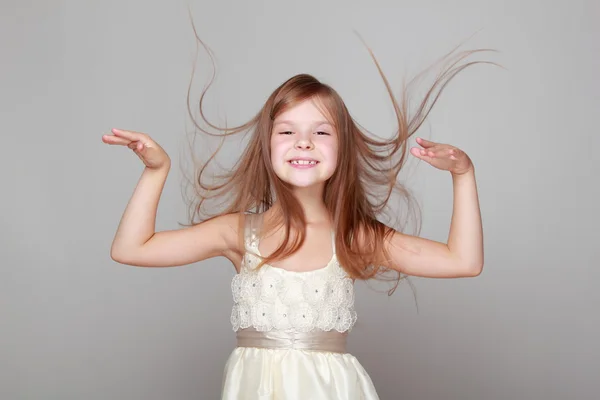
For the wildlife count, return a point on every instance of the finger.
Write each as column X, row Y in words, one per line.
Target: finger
column 112, row 139
column 441, row 152
column 136, row 146
column 420, row 154
column 452, row 153
column 431, row 152
column 133, row 136
column 425, row 143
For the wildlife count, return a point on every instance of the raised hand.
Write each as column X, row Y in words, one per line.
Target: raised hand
column 151, row 154
column 443, row 156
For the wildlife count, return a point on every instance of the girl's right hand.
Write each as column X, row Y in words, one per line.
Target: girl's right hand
column 151, row 154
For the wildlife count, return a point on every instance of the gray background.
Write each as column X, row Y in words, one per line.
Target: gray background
column 76, row 325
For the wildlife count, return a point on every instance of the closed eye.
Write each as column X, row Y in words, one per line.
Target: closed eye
column 291, row 133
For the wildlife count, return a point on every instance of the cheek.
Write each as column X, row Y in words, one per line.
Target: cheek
column 334, row 162
column 332, row 154
column 274, row 148
column 277, row 154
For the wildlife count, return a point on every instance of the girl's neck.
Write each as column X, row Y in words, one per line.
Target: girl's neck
column 311, row 201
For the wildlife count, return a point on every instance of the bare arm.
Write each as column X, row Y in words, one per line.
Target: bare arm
column 137, row 243
column 462, row 255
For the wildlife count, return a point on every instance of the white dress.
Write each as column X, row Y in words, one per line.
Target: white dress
column 291, row 329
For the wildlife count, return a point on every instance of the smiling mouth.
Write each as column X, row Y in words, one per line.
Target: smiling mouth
column 303, row 162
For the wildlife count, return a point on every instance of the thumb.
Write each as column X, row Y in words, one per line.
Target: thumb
column 140, row 147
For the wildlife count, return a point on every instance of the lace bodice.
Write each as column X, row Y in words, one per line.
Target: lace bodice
column 273, row 298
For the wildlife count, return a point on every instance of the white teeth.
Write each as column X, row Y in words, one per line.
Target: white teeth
column 303, row 162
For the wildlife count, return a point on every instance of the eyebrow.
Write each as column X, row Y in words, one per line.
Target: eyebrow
column 314, row 122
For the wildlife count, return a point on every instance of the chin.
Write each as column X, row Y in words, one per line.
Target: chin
column 301, row 180
column 318, row 185
column 303, row 184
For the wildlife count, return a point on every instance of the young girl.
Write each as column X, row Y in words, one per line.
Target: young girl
column 301, row 227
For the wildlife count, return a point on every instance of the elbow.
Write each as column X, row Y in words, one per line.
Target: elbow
column 474, row 270
column 134, row 257
column 117, row 257
column 466, row 267
column 120, row 256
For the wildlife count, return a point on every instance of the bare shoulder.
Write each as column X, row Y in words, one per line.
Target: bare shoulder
column 227, row 229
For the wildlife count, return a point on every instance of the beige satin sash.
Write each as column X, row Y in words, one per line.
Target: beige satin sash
column 331, row 341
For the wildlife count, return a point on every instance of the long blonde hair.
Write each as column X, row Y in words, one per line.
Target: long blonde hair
column 361, row 187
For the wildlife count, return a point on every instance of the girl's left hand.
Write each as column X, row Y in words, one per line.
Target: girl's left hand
column 443, row 156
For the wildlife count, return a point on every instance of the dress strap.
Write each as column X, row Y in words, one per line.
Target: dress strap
column 248, row 223
column 250, row 227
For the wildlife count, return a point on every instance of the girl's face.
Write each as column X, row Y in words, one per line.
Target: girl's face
column 304, row 146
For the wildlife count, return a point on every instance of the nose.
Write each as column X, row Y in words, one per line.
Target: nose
column 304, row 144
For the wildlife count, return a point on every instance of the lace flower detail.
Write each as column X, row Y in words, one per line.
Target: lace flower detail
column 271, row 286
column 303, row 317
column 315, row 289
column 250, row 288
column 245, row 316
column 281, row 317
column 263, row 316
column 236, row 287
column 342, row 293
column 328, row 318
column 345, row 320
column 347, row 293
column 235, row 317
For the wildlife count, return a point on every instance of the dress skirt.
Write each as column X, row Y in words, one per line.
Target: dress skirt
column 285, row 374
